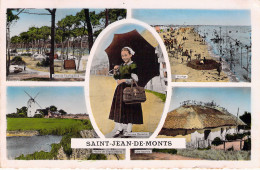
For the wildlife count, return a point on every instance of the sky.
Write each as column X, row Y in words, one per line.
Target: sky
column 100, row 55
column 28, row 20
column 70, row 99
column 192, row 17
column 228, row 97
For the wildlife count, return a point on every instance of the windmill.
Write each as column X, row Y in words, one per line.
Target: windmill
column 31, row 105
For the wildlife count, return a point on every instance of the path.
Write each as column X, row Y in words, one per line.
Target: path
column 101, row 94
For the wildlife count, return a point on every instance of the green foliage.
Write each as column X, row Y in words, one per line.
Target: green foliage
column 38, row 116
column 215, row 154
column 15, row 39
column 60, row 129
column 247, row 145
column 10, row 16
column 62, row 112
column 45, row 111
column 53, row 108
column 160, row 95
column 66, row 142
column 246, row 117
column 22, row 112
column 231, row 149
column 49, row 126
column 26, row 54
column 69, row 26
column 207, row 148
column 41, row 155
column 113, row 15
column 15, row 115
column 171, row 151
column 217, row 141
column 44, row 63
column 234, row 136
column 17, row 60
column 97, row 157
column 96, row 33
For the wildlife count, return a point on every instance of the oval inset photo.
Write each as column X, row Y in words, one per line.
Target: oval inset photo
column 127, row 82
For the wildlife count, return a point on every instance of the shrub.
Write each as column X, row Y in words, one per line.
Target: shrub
column 17, row 60
column 247, row 145
column 44, row 63
column 232, row 137
column 41, row 155
column 231, row 149
column 171, row 151
column 207, row 148
column 217, row 141
column 26, row 54
column 38, row 116
column 97, row 157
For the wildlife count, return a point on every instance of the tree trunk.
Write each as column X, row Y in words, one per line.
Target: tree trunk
column 53, row 11
column 68, row 42
column 106, row 18
column 81, row 52
column 8, row 49
column 62, row 54
column 90, row 31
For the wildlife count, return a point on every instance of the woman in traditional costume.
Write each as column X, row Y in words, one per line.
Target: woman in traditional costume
column 121, row 113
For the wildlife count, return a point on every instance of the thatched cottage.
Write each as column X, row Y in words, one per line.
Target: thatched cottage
column 200, row 124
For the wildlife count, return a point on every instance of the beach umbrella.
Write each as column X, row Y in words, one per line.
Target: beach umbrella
column 145, row 57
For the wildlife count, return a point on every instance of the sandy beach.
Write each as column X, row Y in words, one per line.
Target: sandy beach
column 101, row 93
column 180, row 68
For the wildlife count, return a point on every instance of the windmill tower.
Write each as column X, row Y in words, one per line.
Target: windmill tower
column 32, row 105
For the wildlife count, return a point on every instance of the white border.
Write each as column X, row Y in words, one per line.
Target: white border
column 91, row 57
column 253, row 5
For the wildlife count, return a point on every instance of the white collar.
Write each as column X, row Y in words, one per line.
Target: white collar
column 128, row 63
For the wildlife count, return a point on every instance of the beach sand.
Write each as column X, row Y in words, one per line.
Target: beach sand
column 179, row 68
column 101, row 94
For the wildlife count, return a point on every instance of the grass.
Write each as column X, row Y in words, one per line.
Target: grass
column 49, row 126
column 215, row 154
column 37, row 79
column 31, row 63
column 69, row 128
column 54, row 79
column 160, row 95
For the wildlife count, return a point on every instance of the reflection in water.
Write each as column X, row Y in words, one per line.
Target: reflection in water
column 29, row 144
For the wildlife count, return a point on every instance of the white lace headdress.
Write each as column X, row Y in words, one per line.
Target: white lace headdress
column 130, row 50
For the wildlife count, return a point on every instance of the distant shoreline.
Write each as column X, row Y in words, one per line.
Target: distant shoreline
column 16, row 133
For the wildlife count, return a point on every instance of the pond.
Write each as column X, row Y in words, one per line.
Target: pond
column 29, row 144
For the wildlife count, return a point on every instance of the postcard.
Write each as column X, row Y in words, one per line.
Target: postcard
column 126, row 84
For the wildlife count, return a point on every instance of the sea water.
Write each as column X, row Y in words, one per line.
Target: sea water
column 19, row 145
column 240, row 61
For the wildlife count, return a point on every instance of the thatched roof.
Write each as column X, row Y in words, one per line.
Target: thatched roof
column 199, row 117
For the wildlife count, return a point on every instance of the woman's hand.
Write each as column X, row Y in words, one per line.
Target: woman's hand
column 116, row 68
column 120, row 81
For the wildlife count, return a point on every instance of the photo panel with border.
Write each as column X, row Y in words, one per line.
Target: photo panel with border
column 215, row 122
column 151, row 60
column 204, row 45
column 33, row 56
column 42, row 120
